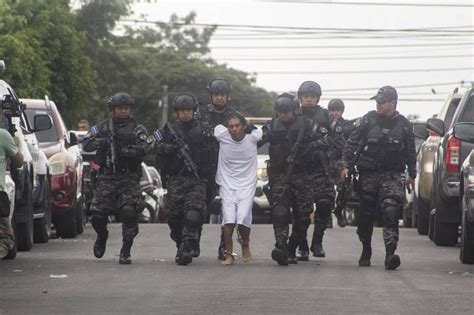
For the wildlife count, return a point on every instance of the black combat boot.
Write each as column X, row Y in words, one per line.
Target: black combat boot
column 303, row 250
column 364, row 260
column 318, row 250
column 195, row 249
column 221, row 249
column 100, row 242
column 183, row 256
column 280, row 254
column 99, row 223
column 392, row 261
column 292, row 244
column 128, row 234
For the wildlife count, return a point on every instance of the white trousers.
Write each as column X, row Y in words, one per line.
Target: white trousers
column 237, row 205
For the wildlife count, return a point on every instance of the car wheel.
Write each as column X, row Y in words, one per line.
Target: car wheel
column 423, row 217
column 467, row 241
column 431, row 226
column 445, row 234
column 42, row 226
column 81, row 216
column 66, row 225
column 24, row 230
column 407, row 215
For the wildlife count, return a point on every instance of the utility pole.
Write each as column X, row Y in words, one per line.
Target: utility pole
column 164, row 112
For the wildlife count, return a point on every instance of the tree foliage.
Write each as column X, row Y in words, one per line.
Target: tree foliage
column 80, row 58
column 44, row 53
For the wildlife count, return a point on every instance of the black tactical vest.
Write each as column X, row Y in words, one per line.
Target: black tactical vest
column 384, row 148
column 281, row 143
column 202, row 149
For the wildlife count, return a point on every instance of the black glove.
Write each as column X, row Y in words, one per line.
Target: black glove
column 249, row 128
column 166, row 148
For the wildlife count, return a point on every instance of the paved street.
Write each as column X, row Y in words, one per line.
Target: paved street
column 64, row 277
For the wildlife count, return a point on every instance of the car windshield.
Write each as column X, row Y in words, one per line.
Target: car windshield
column 49, row 135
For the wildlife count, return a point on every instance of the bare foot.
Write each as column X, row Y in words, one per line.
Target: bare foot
column 229, row 260
column 246, row 254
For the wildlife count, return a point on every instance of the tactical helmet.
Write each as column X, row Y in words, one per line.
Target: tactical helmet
column 218, row 86
column 286, row 103
column 309, row 87
column 121, row 99
column 184, row 101
column 336, row 104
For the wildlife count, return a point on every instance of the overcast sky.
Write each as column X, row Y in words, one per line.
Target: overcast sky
column 350, row 48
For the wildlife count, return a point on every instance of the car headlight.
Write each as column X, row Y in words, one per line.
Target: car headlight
column 262, row 173
column 57, row 164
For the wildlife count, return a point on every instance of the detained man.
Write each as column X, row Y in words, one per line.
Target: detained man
column 237, row 178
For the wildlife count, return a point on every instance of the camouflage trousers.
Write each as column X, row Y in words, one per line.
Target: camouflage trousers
column 299, row 197
column 324, row 195
column 383, row 191
column 185, row 208
column 113, row 192
column 6, row 236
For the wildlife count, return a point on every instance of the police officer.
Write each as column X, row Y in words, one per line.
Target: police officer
column 120, row 143
column 291, row 137
column 388, row 148
column 187, row 160
column 215, row 114
column 336, row 109
column 309, row 94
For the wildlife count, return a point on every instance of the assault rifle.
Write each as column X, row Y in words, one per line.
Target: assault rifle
column 112, row 158
column 343, row 193
column 291, row 160
column 183, row 152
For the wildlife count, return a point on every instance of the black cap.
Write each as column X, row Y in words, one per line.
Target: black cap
column 218, row 86
column 184, row 101
column 385, row 94
column 309, row 87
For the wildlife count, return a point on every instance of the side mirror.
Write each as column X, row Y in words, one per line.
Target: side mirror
column 464, row 131
column 2, row 66
column 436, row 125
column 420, row 131
column 42, row 122
column 73, row 140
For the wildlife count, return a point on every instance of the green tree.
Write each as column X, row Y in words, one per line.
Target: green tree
column 46, row 54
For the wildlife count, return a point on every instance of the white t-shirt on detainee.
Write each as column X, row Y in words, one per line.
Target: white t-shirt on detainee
column 237, row 164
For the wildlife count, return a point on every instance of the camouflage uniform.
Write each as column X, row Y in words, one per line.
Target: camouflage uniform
column 388, row 148
column 298, row 194
column 322, row 175
column 117, row 192
column 186, row 194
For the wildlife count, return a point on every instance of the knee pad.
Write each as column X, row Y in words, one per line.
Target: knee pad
column 129, row 216
column 280, row 215
column 390, row 212
column 193, row 219
column 99, row 222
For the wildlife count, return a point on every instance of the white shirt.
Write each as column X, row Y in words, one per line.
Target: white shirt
column 237, row 165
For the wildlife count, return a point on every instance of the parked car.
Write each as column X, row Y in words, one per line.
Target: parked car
column 425, row 159
column 445, row 192
column 65, row 161
column 150, row 194
column 27, row 181
column 465, row 132
column 408, row 215
column 159, row 192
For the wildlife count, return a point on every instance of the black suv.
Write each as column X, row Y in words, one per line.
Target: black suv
column 446, row 216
